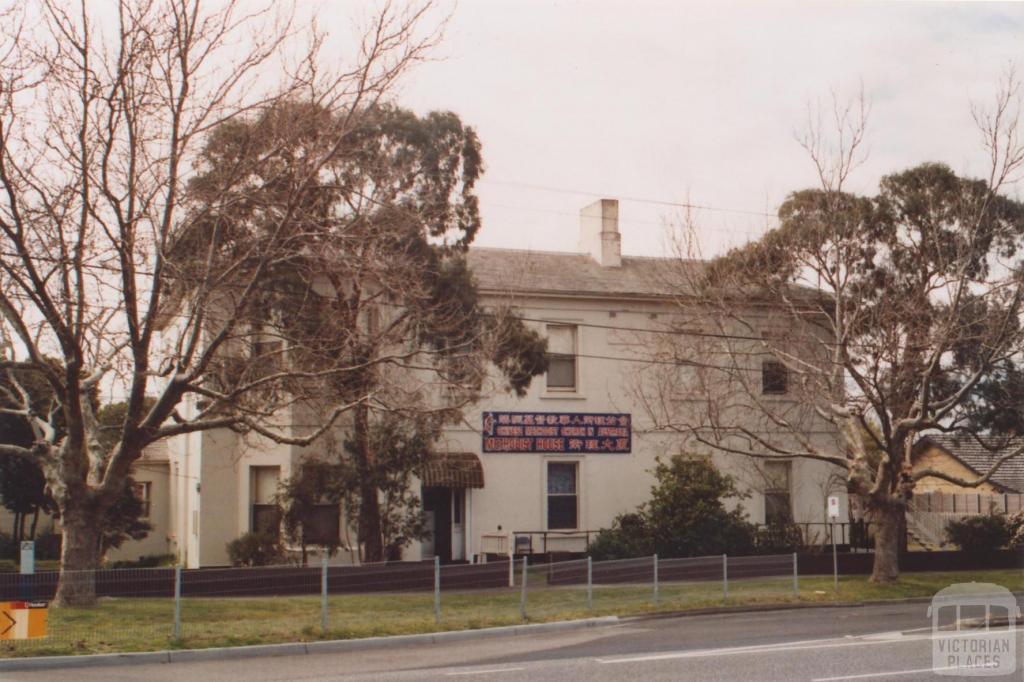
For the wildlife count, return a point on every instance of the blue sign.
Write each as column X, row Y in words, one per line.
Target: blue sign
column 570, row 433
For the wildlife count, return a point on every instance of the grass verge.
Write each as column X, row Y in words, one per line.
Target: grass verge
column 123, row 625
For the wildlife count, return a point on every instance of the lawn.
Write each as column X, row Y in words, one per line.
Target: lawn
column 119, row 625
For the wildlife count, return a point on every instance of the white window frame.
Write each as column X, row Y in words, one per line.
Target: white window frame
column 143, row 491
column 575, row 389
column 770, row 487
column 578, row 463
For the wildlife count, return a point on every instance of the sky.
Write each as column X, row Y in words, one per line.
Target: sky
column 698, row 103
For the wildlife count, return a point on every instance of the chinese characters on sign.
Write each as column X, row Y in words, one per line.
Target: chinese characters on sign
column 556, row 432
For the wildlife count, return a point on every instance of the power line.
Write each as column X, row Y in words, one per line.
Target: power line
column 675, row 332
column 668, row 332
column 628, row 221
column 638, row 200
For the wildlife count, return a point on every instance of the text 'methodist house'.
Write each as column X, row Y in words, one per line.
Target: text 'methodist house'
column 565, row 459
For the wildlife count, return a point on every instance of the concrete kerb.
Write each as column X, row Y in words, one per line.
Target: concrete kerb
column 763, row 608
column 292, row 648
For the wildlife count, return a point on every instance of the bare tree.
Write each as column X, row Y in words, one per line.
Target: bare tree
column 858, row 322
column 117, row 275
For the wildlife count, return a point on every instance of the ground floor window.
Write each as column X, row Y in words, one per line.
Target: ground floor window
column 563, row 496
column 266, row 517
column 777, row 504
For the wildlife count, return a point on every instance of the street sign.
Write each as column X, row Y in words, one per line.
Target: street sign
column 22, row 619
column 28, row 557
column 833, row 507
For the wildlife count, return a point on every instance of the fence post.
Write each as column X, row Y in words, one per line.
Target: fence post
column 522, row 592
column 177, row 602
column 511, row 563
column 725, row 577
column 323, row 594
column 437, row 589
column 655, row 579
column 835, row 563
column 796, row 577
column 590, row 583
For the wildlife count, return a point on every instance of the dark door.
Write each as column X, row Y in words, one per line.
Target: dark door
column 437, row 502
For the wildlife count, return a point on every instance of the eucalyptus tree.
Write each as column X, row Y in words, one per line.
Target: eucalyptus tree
column 375, row 276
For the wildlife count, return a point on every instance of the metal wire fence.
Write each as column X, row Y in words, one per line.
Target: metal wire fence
column 146, row 609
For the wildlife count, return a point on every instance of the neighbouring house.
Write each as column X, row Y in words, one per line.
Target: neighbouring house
column 152, row 486
column 937, row 501
column 534, row 474
column 966, row 458
column 151, row 475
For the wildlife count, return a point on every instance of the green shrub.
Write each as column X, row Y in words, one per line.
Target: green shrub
column 8, row 547
column 1015, row 529
column 686, row 516
column 256, row 549
column 979, row 533
column 628, row 537
column 147, row 561
column 778, row 538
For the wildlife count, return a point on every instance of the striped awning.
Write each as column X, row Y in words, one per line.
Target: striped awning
column 454, row 470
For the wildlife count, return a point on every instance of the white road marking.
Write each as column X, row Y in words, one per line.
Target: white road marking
column 484, row 672
column 896, row 634
column 865, row 676
column 770, row 648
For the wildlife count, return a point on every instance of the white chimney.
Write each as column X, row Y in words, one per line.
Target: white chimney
column 599, row 232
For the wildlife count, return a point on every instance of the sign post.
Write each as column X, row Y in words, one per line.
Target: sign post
column 833, row 516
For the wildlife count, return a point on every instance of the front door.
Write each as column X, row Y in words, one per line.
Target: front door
column 458, row 524
column 437, row 503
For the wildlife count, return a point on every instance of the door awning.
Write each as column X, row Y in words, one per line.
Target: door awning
column 454, row 470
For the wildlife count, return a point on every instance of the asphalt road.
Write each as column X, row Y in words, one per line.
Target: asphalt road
column 820, row 645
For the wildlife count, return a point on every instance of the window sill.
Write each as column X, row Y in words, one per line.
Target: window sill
column 562, row 396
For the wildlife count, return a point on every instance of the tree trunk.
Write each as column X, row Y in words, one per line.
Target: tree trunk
column 35, row 523
column 888, row 524
column 369, row 523
column 369, row 501
column 80, row 557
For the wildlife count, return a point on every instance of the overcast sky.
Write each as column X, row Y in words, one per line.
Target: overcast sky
column 677, row 101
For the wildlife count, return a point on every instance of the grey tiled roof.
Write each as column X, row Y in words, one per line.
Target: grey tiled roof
column 510, row 270
column 966, row 449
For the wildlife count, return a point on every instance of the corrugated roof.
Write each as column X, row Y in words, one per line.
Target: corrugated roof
column 512, row 270
column 454, row 470
column 1010, row 474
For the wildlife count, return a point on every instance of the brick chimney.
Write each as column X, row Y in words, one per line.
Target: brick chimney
column 599, row 232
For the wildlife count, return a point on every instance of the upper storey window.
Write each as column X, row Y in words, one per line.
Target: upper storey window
column 562, row 366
